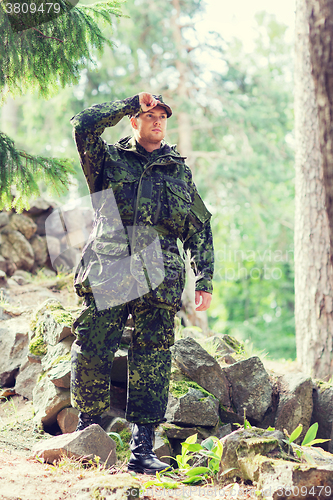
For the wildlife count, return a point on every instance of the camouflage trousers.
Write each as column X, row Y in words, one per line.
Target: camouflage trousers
column 98, row 334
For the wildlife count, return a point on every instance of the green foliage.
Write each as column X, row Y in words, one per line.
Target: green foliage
column 25, row 171
column 37, row 346
column 52, row 56
column 122, row 439
column 240, row 109
column 309, row 440
column 190, row 470
column 45, row 58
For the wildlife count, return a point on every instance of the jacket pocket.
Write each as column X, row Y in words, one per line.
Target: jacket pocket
column 123, row 184
column 179, row 202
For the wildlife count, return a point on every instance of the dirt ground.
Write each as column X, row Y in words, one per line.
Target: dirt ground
column 23, row 477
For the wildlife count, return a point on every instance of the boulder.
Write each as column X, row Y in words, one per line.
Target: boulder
column 60, row 374
column 263, row 458
column 218, row 345
column 251, row 388
column 162, row 447
column 48, row 401
column 249, row 443
column 193, row 408
column 295, row 403
column 58, row 353
column 323, row 412
column 39, row 246
column 3, row 263
column 14, row 341
column 115, row 487
column 90, row 442
column 201, row 367
column 294, row 481
column 67, row 420
column 24, row 224
column 53, row 246
column 38, row 207
column 4, row 219
column 17, row 249
column 27, row 379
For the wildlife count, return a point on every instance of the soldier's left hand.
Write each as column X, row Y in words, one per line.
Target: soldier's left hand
column 205, row 302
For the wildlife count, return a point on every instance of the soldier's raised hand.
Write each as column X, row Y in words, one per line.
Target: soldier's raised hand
column 147, row 101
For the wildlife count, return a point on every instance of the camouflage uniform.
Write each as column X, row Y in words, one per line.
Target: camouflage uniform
column 151, row 190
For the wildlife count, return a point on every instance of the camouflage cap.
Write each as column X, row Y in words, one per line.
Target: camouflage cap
column 161, row 103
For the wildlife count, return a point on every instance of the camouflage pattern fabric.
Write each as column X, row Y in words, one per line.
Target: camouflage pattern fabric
column 98, row 334
column 151, row 190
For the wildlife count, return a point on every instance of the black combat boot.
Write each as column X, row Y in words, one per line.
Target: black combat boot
column 143, row 459
column 85, row 420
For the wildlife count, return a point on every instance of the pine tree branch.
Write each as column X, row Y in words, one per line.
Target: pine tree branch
column 51, row 37
column 25, row 171
column 31, row 58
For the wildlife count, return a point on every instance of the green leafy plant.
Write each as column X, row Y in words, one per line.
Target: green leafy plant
column 309, row 440
column 190, row 469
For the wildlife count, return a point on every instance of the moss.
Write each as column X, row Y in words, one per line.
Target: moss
column 234, row 344
column 180, row 388
column 59, row 359
column 323, row 386
column 37, row 346
column 123, row 452
column 62, row 316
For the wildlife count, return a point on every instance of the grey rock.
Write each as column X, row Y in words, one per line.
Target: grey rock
column 251, row 388
column 295, row 403
column 4, row 219
column 27, row 379
column 67, row 420
column 48, row 401
column 116, row 424
column 56, row 354
column 90, row 442
column 194, row 408
column 17, row 249
column 218, row 345
column 24, row 224
column 162, row 447
column 3, row 262
column 114, row 487
column 60, row 374
column 323, row 412
column 38, row 206
column 201, row 367
column 53, row 246
column 14, row 340
column 289, row 481
column 248, row 443
column 39, row 246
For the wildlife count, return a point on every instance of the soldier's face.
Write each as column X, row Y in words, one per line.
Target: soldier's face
column 151, row 125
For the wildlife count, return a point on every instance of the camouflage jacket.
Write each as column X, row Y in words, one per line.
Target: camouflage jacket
column 150, row 189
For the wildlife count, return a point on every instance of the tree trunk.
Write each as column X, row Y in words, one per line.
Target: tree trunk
column 321, row 22
column 313, row 271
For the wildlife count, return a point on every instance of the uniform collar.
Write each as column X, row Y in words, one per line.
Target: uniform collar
column 130, row 144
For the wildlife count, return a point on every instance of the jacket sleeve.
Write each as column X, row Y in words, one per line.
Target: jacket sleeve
column 88, row 127
column 199, row 240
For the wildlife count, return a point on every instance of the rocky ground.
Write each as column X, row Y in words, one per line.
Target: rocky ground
column 23, row 477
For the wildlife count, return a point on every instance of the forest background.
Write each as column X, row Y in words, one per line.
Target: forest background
column 233, row 119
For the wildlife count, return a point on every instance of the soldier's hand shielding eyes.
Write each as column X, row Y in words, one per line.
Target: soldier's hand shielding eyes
column 147, row 101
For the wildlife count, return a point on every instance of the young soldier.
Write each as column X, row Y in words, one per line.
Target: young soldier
column 152, row 188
